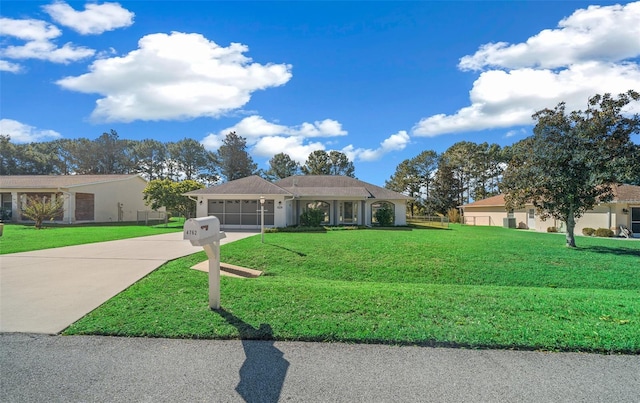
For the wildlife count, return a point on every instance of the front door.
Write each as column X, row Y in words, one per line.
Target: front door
column 531, row 219
column 348, row 213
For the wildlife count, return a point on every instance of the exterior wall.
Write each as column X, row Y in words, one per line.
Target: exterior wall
column 604, row 216
column 287, row 210
column 494, row 216
column 116, row 201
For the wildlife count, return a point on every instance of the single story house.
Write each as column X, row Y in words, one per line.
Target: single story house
column 345, row 201
column 87, row 198
column 624, row 209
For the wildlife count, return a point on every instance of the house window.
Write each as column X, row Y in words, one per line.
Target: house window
column 382, row 204
column 635, row 220
column 5, row 213
column 322, row 205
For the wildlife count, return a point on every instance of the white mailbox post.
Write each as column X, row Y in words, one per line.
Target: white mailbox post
column 205, row 232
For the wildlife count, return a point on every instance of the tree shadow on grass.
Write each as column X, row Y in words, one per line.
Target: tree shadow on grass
column 288, row 249
column 264, row 369
column 613, row 251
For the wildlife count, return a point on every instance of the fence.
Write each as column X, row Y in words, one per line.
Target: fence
column 478, row 220
column 429, row 221
column 152, row 215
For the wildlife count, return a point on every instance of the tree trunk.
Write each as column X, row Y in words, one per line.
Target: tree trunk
column 571, row 224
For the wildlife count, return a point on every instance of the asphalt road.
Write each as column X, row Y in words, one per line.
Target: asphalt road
column 100, row 369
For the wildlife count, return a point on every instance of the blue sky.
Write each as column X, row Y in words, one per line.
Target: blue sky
column 379, row 81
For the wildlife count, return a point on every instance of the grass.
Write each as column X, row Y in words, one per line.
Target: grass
column 476, row 287
column 24, row 238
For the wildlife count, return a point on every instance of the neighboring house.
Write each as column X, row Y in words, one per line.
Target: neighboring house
column 345, row 201
column 87, row 198
column 624, row 209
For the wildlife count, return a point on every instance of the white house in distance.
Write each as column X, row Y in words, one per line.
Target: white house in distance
column 624, row 209
column 87, row 198
column 345, row 201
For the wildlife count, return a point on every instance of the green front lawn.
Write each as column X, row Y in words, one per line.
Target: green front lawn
column 467, row 286
column 24, row 238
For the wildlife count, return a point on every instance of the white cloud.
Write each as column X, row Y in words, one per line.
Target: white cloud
column 23, row 133
column 395, row 142
column 268, row 138
column 591, row 53
column 95, row 19
column 38, row 36
column 175, row 76
column 609, row 33
column 29, row 30
column 10, row 67
column 293, row 146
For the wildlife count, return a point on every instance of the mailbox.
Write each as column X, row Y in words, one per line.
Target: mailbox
column 203, row 231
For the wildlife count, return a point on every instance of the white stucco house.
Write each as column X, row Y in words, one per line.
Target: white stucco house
column 87, row 198
column 624, row 210
column 345, row 201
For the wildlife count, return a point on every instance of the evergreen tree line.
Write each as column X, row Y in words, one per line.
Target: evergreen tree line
column 439, row 182
column 186, row 159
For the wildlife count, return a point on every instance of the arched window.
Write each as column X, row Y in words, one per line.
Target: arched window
column 381, row 204
column 322, row 205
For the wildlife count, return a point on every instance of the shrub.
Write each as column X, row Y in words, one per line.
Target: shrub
column 312, row 217
column 384, row 216
column 604, row 232
column 40, row 209
column 588, row 231
column 552, row 229
column 453, row 214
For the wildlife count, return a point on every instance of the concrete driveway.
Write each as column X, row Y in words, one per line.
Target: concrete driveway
column 47, row 290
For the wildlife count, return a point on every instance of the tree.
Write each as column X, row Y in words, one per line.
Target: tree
column 113, row 155
column 320, row 162
column 446, row 192
column 9, row 160
column 191, row 161
column 235, row 162
column 282, row 166
column 425, row 165
column 150, row 158
column 169, row 194
column 572, row 161
column 40, row 209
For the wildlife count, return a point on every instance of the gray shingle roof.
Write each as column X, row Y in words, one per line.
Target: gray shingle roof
column 627, row 193
column 56, row 181
column 303, row 185
column 249, row 185
column 297, row 184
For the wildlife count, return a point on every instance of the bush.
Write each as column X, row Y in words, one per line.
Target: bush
column 453, row 214
column 604, row 232
column 552, row 229
column 384, row 216
column 312, row 217
column 588, row 231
